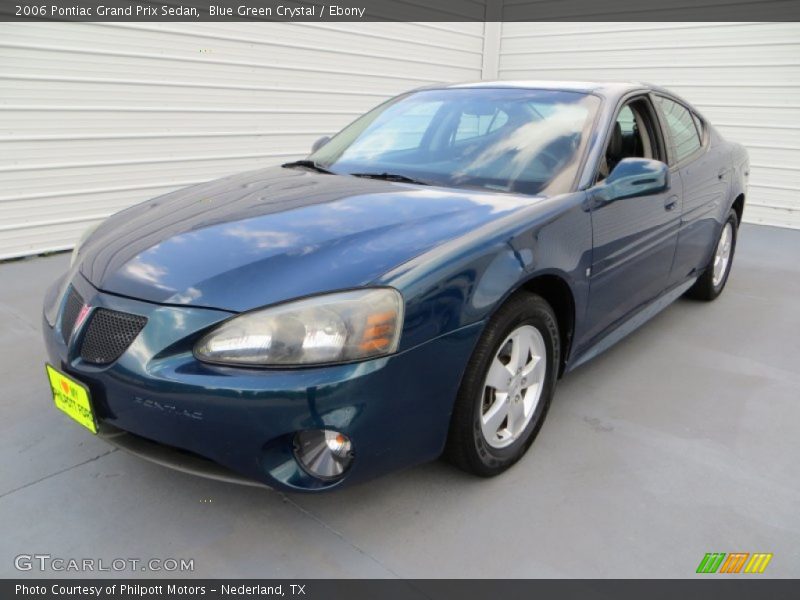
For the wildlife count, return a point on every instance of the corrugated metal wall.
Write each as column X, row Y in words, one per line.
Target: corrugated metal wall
column 95, row 117
column 745, row 77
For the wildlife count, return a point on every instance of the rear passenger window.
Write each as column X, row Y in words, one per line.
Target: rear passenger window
column 681, row 125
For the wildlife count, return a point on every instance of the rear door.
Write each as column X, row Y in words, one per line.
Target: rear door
column 705, row 181
column 634, row 239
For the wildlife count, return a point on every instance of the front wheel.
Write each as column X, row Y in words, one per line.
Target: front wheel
column 507, row 387
column 711, row 283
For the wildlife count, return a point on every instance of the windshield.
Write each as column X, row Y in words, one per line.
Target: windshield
column 500, row 139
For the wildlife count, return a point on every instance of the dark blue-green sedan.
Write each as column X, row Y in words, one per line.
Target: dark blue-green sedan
column 414, row 287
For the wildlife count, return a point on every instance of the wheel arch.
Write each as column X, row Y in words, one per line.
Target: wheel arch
column 738, row 207
column 556, row 290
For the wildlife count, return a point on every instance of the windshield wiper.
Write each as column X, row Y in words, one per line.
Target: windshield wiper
column 308, row 164
column 390, row 177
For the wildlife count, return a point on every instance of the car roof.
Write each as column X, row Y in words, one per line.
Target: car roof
column 605, row 88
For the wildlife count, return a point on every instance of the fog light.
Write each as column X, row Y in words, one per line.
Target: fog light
column 323, row 453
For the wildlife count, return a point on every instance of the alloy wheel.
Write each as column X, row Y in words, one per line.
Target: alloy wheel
column 513, row 386
column 722, row 255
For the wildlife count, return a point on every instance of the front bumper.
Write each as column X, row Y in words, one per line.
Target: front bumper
column 158, row 401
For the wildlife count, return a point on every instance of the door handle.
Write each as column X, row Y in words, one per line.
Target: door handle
column 671, row 202
column 722, row 173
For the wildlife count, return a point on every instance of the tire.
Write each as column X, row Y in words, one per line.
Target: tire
column 707, row 287
column 532, row 320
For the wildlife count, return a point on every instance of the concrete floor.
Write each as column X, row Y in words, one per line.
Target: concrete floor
column 681, row 440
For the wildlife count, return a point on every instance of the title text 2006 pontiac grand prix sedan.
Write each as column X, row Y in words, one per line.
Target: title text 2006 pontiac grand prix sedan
column 415, row 287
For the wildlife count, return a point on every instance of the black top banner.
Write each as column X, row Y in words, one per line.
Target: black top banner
column 400, row 10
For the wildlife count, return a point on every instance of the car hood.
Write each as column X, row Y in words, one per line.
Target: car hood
column 271, row 235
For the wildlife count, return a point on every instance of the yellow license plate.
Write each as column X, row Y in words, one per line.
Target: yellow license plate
column 72, row 398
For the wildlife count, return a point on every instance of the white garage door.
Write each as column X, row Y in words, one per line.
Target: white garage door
column 97, row 116
column 745, row 77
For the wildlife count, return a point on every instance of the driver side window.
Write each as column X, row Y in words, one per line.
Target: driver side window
column 632, row 136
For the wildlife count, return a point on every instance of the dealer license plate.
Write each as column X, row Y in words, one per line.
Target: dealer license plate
column 72, row 397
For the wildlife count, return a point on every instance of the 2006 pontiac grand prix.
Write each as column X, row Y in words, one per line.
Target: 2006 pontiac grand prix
column 414, row 287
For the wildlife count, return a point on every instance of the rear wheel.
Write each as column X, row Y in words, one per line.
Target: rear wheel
column 711, row 283
column 507, row 388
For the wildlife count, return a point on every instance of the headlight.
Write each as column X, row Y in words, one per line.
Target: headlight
column 84, row 236
column 332, row 328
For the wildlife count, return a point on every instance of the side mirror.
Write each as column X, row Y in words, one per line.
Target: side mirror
column 633, row 177
column 320, row 143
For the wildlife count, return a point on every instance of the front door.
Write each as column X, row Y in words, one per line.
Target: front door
column 634, row 239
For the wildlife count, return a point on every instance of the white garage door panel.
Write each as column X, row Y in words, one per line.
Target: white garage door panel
column 462, row 37
column 772, row 215
column 272, row 58
column 783, row 176
column 783, row 199
column 273, row 41
column 40, row 59
column 744, row 77
column 694, row 57
column 640, row 71
column 114, row 195
column 785, row 158
column 82, row 92
column 49, row 238
column 588, row 37
column 761, row 137
column 74, row 177
column 743, row 93
column 758, row 116
column 99, row 119
column 33, row 154
column 61, row 206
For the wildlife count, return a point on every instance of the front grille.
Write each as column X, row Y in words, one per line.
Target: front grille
column 108, row 335
column 72, row 307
